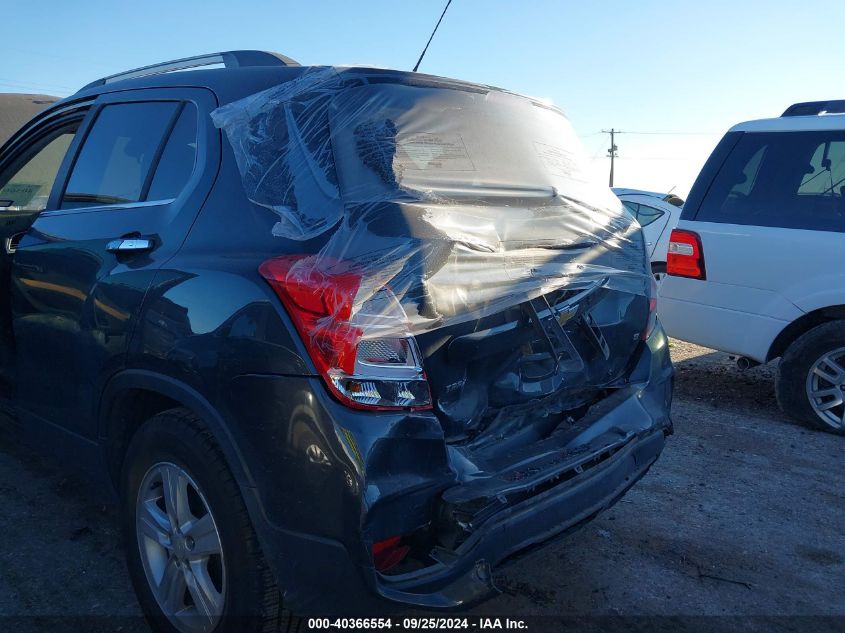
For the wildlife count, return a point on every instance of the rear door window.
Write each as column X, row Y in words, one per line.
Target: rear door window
column 116, row 159
column 781, row 179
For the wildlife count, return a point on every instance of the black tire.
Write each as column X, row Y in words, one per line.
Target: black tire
column 794, row 369
column 251, row 599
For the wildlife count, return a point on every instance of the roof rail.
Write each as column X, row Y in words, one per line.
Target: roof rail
column 230, row 59
column 812, row 108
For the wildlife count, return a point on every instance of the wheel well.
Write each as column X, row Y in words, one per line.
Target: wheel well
column 801, row 325
column 128, row 411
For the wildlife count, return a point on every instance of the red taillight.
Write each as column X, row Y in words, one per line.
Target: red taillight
column 389, row 553
column 685, row 257
column 319, row 301
column 364, row 370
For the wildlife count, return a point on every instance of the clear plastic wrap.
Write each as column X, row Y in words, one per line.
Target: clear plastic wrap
column 432, row 203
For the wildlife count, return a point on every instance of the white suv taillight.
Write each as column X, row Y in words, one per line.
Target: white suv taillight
column 364, row 356
column 685, row 257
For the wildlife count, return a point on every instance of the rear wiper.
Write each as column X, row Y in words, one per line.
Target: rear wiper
column 550, row 245
column 571, row 246
column 483, row 190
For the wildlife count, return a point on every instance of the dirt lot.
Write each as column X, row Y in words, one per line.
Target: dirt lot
column 743, row 516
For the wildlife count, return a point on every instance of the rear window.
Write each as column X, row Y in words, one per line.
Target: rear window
column 781, row 179
column 317, row 150
column 456, row 144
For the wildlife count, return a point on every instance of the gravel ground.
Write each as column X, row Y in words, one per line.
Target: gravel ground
column 741, row 518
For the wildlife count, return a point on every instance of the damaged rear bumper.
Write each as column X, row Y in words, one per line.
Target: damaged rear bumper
column 464, row 575
column 523, row 500
column 544, row 491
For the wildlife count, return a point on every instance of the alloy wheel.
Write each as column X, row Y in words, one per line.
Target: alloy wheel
column 180, row 548
column 826, row 388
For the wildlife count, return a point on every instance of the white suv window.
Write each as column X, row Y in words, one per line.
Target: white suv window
column 791, row 180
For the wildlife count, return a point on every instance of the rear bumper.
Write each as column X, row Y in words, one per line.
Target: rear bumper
column 578, row 473
column 468, row 577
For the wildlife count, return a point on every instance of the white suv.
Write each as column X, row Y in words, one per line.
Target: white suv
column 757, row 263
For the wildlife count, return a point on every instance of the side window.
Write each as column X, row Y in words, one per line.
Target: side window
column 828, row 171
column 631, row 207
column 790, row 180
column 115, row 160
column 646, row 215
column 178, row 158
column 26, row 185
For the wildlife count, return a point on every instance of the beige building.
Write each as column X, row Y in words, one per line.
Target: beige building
column 16, row 109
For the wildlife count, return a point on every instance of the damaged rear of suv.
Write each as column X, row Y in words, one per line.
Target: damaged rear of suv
column 382, row 337
column 483, row 311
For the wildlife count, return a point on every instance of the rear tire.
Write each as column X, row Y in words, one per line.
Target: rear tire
column 173, row 476
column 810, row 382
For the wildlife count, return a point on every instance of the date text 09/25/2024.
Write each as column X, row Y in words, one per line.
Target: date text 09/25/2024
column 414, row 624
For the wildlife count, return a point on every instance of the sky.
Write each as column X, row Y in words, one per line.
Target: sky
column 673, row 76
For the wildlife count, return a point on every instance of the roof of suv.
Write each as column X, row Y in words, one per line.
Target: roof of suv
column 248, row 72
column 807, row 116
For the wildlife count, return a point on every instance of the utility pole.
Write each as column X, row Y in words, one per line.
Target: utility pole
column 612, row 151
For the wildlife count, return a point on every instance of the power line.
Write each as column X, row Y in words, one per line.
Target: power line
column 598, row 150
column 650, row 157
column 675, row 133
column 613, row 153
column 436, row 26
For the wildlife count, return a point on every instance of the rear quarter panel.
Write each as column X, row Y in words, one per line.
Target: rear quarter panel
column 754, row 278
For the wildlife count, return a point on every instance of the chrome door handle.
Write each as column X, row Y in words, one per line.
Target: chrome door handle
column 130, row 245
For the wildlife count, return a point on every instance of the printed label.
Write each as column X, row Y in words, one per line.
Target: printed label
column 425, row 152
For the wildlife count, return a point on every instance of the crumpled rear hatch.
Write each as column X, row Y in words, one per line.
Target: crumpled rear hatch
column 459, row 220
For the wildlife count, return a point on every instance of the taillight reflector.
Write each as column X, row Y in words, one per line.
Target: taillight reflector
column 389, row 553
column 685, row 257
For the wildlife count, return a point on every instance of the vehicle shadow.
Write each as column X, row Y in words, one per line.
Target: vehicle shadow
column 712, row 378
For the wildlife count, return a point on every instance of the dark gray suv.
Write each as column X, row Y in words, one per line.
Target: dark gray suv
column 330, row 334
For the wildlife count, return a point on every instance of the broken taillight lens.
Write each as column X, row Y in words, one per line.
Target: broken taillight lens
column 389, row 553
column 362, row 351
